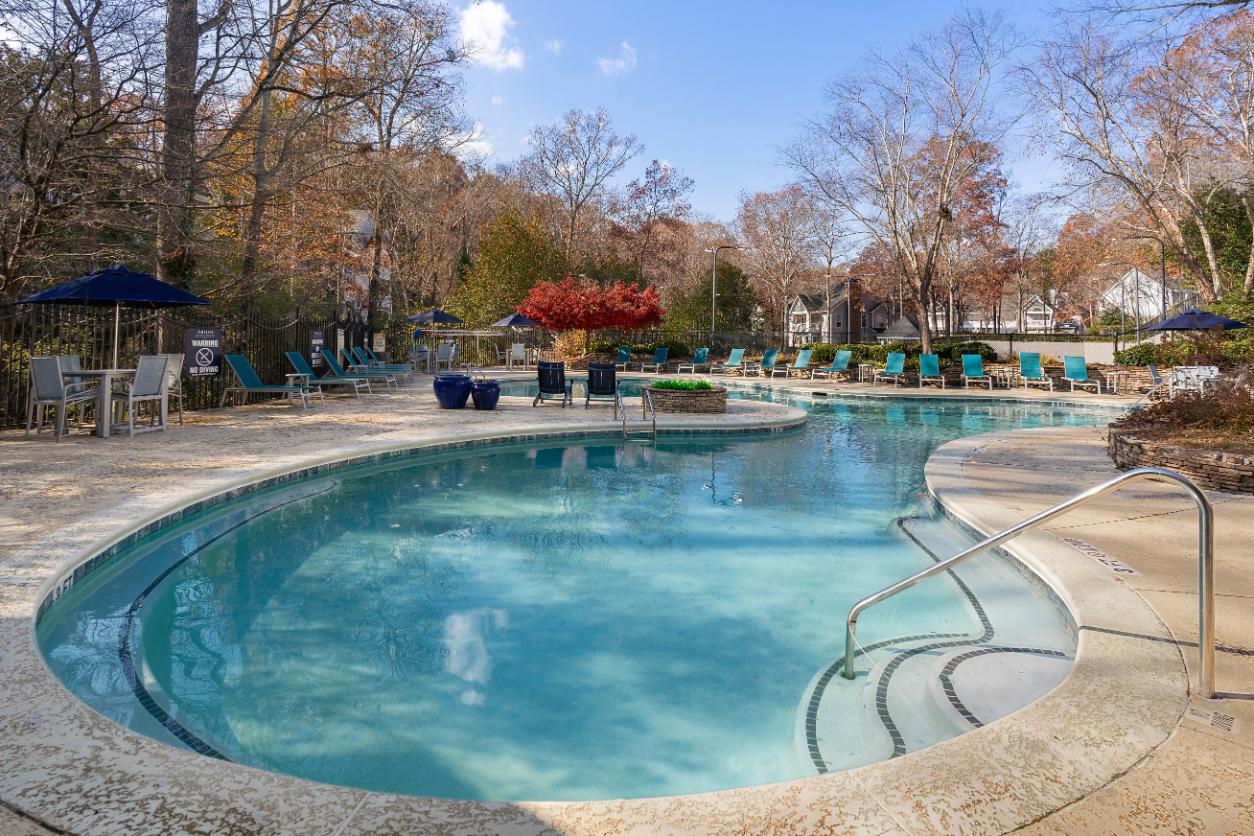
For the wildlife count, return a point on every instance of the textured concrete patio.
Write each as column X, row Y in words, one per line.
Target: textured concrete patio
column 1201, row 778
column 1112, row 750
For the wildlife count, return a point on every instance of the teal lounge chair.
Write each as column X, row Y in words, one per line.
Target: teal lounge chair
column 352, row 363
column 894, row 369
column 769, row 358
column 366, row 353
column 1030, row 370
column 700, row 357
column 735, row 363
column 249, row 383
column 840, row 365
column 658, row 363
column 801, row 363
column 337, row 370
column 304, row 370
column 973, row 369
column 1075, row 372
column 358, row 362
column 929, row 370
column 623, row 357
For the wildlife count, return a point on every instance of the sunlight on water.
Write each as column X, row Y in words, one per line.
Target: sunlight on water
column 564, row 621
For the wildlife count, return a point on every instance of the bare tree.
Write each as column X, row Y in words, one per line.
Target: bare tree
column 572, row 161
column 1209, row 78
column 901, row 135
column 1122, row 139
column 777, row 233
column 651, row 202
column 74, row 108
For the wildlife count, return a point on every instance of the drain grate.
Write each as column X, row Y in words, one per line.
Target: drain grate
column 1214, row 719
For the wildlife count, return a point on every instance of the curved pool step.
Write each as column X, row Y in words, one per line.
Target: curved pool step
column 913, row 691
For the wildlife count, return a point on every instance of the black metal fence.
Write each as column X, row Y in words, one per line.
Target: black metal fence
column 36, row 330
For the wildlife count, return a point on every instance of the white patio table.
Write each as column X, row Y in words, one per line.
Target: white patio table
column 104, row 397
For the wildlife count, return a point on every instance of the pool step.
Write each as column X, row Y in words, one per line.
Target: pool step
column 916, row 691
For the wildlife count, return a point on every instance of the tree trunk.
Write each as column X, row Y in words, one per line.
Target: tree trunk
column 175, row 262
column 1212, row 263
column 257, row 209
column 1247, row 287
column 923, row 309
column 376, row 266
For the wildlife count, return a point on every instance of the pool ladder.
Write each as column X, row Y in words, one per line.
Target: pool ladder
column 1205, row 561
column 646, row 429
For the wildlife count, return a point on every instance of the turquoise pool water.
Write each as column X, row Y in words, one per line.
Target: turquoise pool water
column 529, row 621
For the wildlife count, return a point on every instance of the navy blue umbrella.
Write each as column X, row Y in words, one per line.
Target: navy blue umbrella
column 515, row 320
column 116, row 286
column 435, row 315
column 1196, row 320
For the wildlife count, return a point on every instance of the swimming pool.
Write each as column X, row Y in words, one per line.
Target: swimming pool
column 562, row 621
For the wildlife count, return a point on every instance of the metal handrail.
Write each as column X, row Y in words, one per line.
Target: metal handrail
column 1205, row 555
column 646, row 411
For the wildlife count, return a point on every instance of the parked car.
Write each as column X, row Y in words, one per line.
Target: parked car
column 1068, row 328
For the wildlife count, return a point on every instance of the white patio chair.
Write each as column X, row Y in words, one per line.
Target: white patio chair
column 446, row 354
column 48, row 388
column 148, row 386
column 517, row 354
column 69, row 365
column 174, row 380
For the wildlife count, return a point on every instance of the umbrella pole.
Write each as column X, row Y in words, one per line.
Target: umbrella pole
column 117, row 328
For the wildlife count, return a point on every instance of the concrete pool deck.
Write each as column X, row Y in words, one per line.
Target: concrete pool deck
column 1108, row 751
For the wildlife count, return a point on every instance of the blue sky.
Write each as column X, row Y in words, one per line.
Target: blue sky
column 713, row 88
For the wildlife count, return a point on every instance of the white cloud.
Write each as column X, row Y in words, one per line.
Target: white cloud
column 620, row 64
column 554, row 46
column 497, row 100
column 471, row 143
column 485, row 28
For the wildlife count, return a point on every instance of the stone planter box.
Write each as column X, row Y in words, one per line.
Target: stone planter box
column 1211, row 470
column 689, row 400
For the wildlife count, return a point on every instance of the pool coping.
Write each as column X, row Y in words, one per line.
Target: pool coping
column 1007, row 774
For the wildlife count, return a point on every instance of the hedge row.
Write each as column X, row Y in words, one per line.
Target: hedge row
column 676, row 349
column 1187, row 352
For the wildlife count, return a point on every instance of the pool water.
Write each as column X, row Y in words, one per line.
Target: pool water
column 555, row 621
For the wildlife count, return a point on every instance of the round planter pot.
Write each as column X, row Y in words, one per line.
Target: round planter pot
column 452, row 390
column 689, row 400
column 485, row 393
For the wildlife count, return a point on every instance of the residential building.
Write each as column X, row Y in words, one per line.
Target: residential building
column 810, row 314
column 1140, row 295
column 1039, row 316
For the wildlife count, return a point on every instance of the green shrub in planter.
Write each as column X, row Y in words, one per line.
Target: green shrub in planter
column 683, row 385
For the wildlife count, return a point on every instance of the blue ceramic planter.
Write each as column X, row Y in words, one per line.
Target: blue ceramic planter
column 452, row 390
column 485, row 393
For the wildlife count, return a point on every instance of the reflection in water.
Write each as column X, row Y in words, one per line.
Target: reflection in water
column 466, row 650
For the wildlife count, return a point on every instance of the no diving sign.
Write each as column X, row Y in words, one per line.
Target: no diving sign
column 203, row 353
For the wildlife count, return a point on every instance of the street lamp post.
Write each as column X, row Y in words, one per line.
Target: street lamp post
column 827, row 306
column 714, row 283
column 849, row 280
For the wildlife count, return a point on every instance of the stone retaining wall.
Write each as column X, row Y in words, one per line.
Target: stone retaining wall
column 690, row 400
column 1211, row 470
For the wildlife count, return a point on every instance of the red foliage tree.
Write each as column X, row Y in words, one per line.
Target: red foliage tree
column 570, row 305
